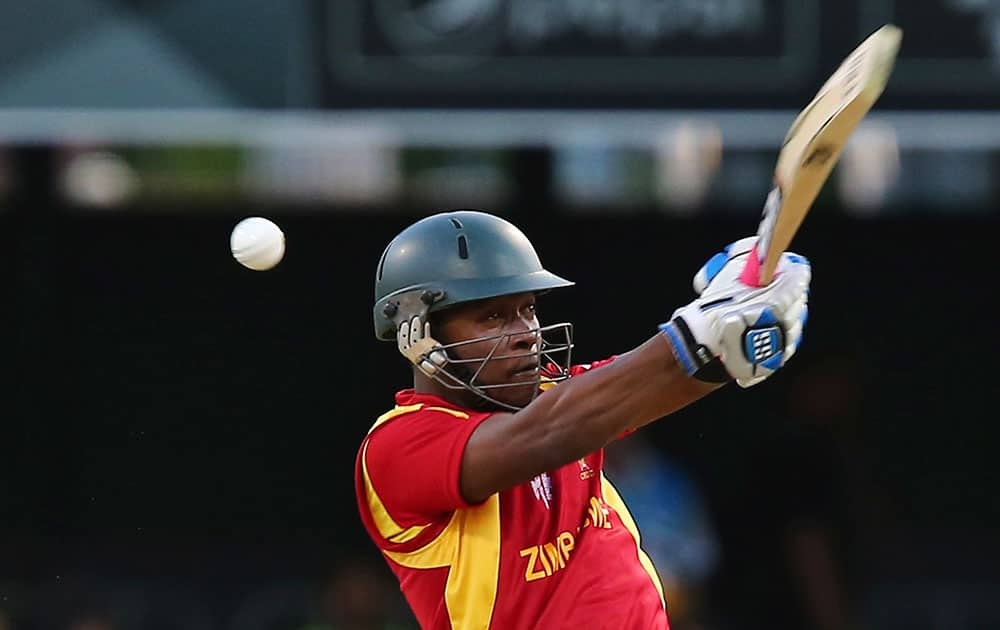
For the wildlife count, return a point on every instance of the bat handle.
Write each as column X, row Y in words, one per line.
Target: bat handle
column 751, row 271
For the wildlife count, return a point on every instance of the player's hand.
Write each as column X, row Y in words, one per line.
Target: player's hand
column 416, row 344
column 736, row 331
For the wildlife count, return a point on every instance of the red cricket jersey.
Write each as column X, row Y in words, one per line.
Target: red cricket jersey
column 560, row 551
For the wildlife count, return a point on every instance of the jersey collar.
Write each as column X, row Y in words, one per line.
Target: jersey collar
column 408, row 397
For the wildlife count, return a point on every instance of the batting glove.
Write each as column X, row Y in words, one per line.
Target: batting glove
column 736, row 331
column 416, row 344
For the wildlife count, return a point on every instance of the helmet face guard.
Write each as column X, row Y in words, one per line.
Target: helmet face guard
column 552, row 351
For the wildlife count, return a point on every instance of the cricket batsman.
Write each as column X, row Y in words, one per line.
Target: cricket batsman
column 483, row 486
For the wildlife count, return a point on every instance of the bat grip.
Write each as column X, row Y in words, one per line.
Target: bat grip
column 751, row 271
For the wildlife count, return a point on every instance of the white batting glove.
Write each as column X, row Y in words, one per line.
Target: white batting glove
column 736, row 331
column 416, row 344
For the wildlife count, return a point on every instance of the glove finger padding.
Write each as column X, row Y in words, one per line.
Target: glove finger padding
column 416, row 344
column 403, row 337
column 753, row 331
column 720, row 262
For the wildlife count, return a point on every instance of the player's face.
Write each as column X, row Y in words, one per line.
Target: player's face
column 512, row 316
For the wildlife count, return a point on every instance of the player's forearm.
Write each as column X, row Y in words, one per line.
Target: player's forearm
column 683, row 390
column 588, row 411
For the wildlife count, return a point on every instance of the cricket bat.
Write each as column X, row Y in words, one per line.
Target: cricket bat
column 814, row 143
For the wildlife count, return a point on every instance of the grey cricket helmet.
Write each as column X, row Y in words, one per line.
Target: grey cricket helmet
column 454, row 257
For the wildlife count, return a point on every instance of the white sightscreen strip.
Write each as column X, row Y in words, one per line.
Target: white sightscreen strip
column 749, row 129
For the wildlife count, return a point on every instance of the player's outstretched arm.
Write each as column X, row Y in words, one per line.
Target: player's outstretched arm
column 576, row 418
column 730, row 331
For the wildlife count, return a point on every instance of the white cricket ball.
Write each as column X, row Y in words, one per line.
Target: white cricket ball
column 257, row 243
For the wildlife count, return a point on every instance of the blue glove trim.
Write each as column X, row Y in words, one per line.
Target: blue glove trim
column 680, row 347
column 803, row 319
column 774, row 362
column 714, row 266
column 766, row 318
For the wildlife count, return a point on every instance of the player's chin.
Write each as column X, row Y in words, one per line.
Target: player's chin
column 518, row 395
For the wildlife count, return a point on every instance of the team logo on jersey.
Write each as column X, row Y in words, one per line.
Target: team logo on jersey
column 586, row 472
column 542, row 487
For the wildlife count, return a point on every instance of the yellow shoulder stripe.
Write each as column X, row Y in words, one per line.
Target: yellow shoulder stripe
column 394, row 412
column 454, row 412
column 388, row 528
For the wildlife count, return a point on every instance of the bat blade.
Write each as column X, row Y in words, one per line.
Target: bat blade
column 814, row 143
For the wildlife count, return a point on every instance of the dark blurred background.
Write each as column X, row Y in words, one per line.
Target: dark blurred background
column 180, row 432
